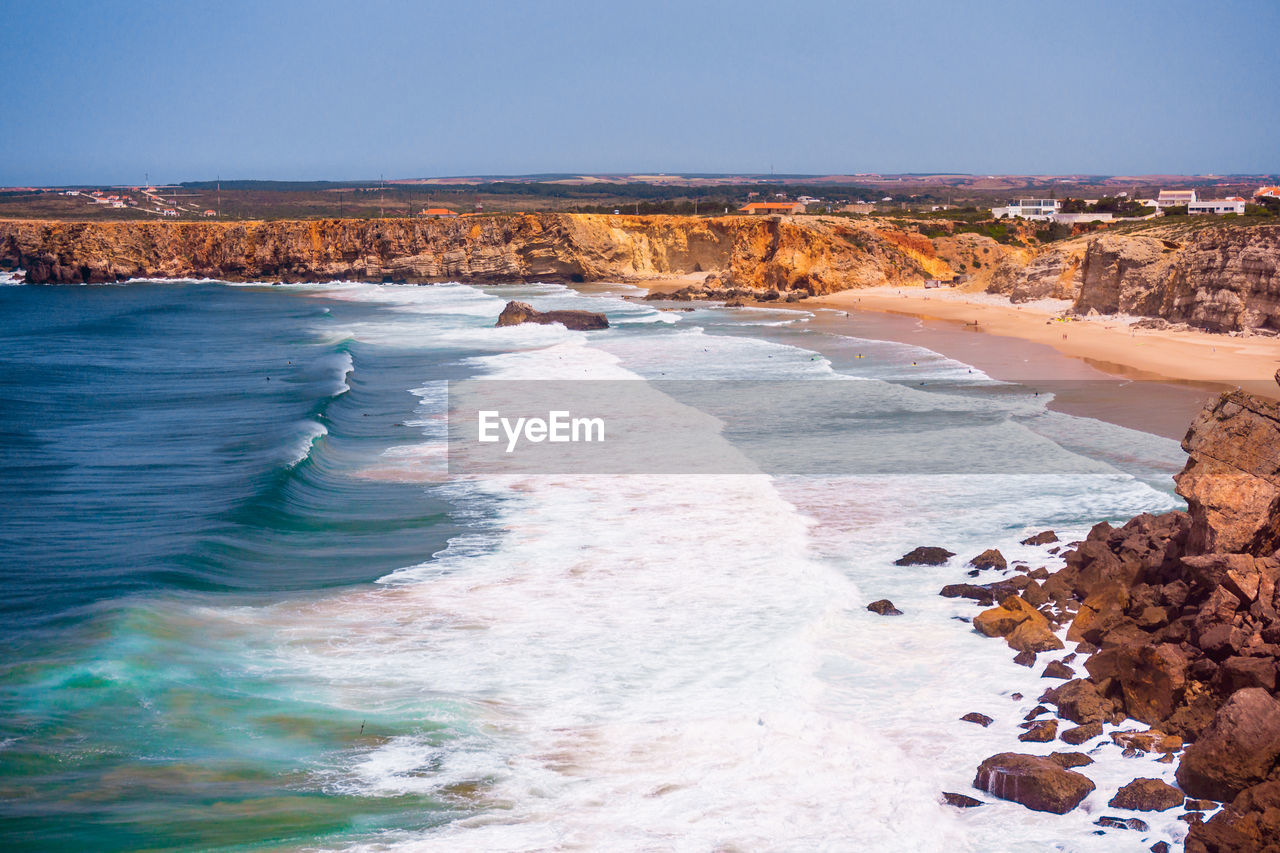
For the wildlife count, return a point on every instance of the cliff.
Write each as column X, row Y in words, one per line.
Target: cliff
column 1220, row 278
column 809, row 254
column 1177, row 621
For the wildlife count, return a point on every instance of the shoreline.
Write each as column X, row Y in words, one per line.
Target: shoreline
column 1198, row 359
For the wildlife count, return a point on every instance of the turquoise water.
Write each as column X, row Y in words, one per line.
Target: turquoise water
column 246, row 608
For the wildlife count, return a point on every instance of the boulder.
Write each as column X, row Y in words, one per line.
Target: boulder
column 1058, row 669
column 925, row 556
column 1148, row 741
column 980, row 594
column 1079, row 734
column 1123, row 823
column 1237, row 673
column 1070, row 759
column 989, row 559
column 1101, row 612
column 1232, row 477
column 1147, row 795
column 1036, row 782
column 1151, row 678
column 960, row 801
column 884, row 607
column 1003, row 620
column 1080, row 702
column 1044, row 537
column 1032, row 636
column 1249, row 824
column 1238, row 749
column 974, row 717
column 522, row 312
column 1040, row 732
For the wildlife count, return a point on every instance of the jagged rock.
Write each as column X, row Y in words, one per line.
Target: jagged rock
column 989, row 559
column 1148, row 741
column 884, row 607
column 960, row 801
column 1040, row 732
column 1151, row 678
column 1070, row 759
column 1249, row 824
column 980, row 594
column 1042, row 538
column 1232, row 477
column 1036, row 782
column 522, row 312
column 1080, row 702
column 974, row 717
column 1080, row 734
column 1238, row 749
column 1147, row 795
column 1194, row 805
column 1237, row 673
column 1037, row 711
column 1057, row 669
column 924, row 556
column 1123, row 823
column 1027, row 658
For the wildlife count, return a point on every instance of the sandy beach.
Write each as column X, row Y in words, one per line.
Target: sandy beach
column 1210, row 361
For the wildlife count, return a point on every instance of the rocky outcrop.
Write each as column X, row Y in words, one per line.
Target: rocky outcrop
column 1220, row 278
column 1147, row 795
column 1239, row 749
column 925, row 555
column 1036, row 782
column 808, row 254
column 516, row 313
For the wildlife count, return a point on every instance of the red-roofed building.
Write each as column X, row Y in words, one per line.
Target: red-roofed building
column 757, row 207
column 1267, row 192
column 437, row 213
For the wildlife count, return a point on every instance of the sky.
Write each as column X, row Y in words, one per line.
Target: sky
column 117, row 92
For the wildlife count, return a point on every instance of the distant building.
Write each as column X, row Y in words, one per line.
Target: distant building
column 210, row 213
column 168, row 211
column 1076, row 218
column 859, row 207
column 1175, row 198
column 1217, row 206
column 1028, row 208
column 757, row 207
column 437, row 213
column 1266, row 192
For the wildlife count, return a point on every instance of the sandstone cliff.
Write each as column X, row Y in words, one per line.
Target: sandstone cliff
column 1220, row 278
column 809, row 254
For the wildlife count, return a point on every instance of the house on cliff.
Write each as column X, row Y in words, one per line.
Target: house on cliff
column 1038, row 209
column 1217, row 206
column 437, row 213
column 758, row 207
column 1176, row 198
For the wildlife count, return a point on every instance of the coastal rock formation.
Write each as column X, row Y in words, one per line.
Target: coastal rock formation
column 925, row 555
column 1147, row 795
column 757, row 254
column 1239, row 749
column 522, row 312
column 1036, row 782
column 1220, row 278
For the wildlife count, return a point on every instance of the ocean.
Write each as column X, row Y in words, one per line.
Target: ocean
column 248, row 605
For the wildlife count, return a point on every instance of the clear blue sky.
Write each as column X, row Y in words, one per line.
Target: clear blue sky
column 104, row 92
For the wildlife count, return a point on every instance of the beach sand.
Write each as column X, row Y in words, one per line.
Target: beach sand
column 1208, row 361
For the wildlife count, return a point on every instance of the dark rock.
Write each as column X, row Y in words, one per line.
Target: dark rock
column 1160, row 847
column 1194, row 805
column 1036, row 782
column 522, row 312
column 960, row 801
column 1057, row 669
column 1148, row 741
column 980, row 594
column 1250, row 823
column 1070, row 759
column 1147, row 795
column 1080, row 734
column 1040, row 732
column 925, row 556
column 974, row 717
column 1123, row 823
column 1025, row 659
column 884, row 607
column 1238, row 749
column 1042, row 538
column 1080, row 702
column 1151, row 678
column 1237, row 673
column 989, row 559
column 1037, row 711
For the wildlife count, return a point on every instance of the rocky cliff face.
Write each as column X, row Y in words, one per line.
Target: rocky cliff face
column 1218, row 278
column 810, row 254
column 1178, row 621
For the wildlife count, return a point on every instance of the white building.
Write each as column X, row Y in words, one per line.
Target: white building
column 1076, row 218
column 1217, row 206
column 1175, row 198
column 1029, row 208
